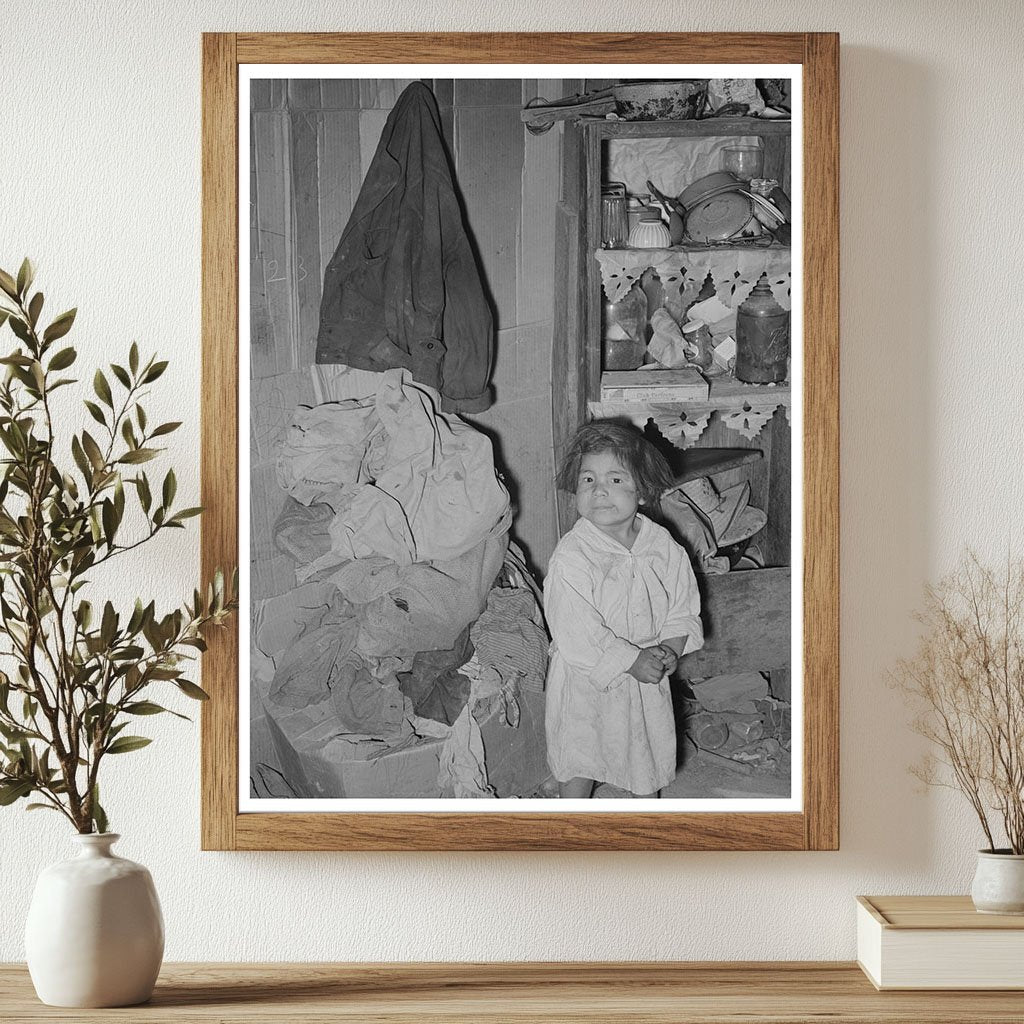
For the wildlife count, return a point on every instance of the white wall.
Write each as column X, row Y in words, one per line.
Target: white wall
column 99, row 182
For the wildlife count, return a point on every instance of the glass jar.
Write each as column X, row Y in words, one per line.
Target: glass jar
column 625, row 331
column 650, row 232
column 614, row 221
column 697, row 336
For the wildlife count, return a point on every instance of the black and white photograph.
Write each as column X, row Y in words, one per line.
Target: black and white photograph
column 521, row 360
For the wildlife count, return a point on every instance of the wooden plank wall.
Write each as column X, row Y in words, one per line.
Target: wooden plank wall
column 312, row 143
column 510, row 182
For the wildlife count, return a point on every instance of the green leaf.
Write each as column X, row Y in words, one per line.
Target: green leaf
column 154, row 372
column 125, row 744
column 80, row 458
column 92, row 449
column 121, row 374
column 133, row 358
column 63, row 359
column 138, row 455
column 20, row 328
column 11, row 791
column 140, row 415
column 191, row 690
column 16, row 358
column 102, row 388
column 145, row 498
column 170, row 488
column 7, row 283
column 165, row 428
column 34, row 308
column 41, row 807
column 60, row 326
column 119, row 498
column 144, row 707
column 109, row 521
column 26, row 274
column 108, row 627
column 185, row 513
column 99, row 816
column 128, row 433
column 95, row 412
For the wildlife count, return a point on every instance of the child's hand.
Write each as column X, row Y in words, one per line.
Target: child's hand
column 669, row 658
column 649, row 666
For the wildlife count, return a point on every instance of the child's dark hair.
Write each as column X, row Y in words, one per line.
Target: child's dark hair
column 645, row 463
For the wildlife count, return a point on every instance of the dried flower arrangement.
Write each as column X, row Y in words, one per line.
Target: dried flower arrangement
column 967, row 680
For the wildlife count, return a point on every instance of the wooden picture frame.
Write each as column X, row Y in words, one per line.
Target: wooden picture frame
column 816, row 825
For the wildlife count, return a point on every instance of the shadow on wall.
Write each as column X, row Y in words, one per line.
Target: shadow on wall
column 887, row 383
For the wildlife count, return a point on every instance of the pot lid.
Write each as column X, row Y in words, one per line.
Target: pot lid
column 719, row 217
column 710, row 184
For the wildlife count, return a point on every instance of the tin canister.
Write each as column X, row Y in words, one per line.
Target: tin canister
column 762, row 338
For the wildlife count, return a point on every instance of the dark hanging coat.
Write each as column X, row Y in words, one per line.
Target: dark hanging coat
column 403, row 288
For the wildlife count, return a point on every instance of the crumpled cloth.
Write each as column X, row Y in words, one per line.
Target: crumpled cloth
column 423, row 607
column 330, row 445
column 508, row 639
column 434, row 684
column 463, row 769
column 403, row 609
column 404, row 481
column 694, row 531
column 303, row 533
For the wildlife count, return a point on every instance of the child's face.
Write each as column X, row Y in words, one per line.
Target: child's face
column 606, row 494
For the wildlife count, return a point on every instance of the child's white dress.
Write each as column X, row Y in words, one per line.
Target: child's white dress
column 603, row 603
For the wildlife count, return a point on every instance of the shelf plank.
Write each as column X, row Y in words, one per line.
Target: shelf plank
column 701, row 247
column 694, row 463
column 709, row 127
column 525, row 993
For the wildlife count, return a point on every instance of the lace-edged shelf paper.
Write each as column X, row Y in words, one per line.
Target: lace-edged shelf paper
column 734, row 271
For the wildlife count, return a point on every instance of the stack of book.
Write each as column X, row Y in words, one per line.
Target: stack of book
column 938, row 942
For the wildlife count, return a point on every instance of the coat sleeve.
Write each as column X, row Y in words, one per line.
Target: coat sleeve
column 580, row 634
column 684, row 611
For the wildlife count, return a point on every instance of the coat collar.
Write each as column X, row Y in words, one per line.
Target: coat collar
column 600, row 540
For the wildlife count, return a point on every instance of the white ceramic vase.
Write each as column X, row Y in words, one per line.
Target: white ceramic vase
column 999, row 883
column 95, row 933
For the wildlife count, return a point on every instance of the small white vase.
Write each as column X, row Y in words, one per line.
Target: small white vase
column 95, row 933
column 999, row 883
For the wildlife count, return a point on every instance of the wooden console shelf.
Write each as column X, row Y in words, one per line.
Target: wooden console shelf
column 637, row 993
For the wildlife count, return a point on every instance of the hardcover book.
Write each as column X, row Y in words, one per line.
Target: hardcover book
column 938, row 942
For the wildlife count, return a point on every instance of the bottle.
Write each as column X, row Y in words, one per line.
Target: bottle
column 634, row 207
column 650, row 232
column 625, row 330
column 762, row 337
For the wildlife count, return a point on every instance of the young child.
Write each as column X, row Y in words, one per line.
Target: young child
column 622, row 605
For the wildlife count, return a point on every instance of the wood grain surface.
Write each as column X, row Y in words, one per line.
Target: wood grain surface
column 631, row 993
column 817, row 827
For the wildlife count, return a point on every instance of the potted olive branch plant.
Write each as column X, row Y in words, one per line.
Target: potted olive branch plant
column 74, row 672
column 966, row 681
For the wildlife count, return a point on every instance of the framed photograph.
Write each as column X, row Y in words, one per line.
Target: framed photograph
column 520, row 419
